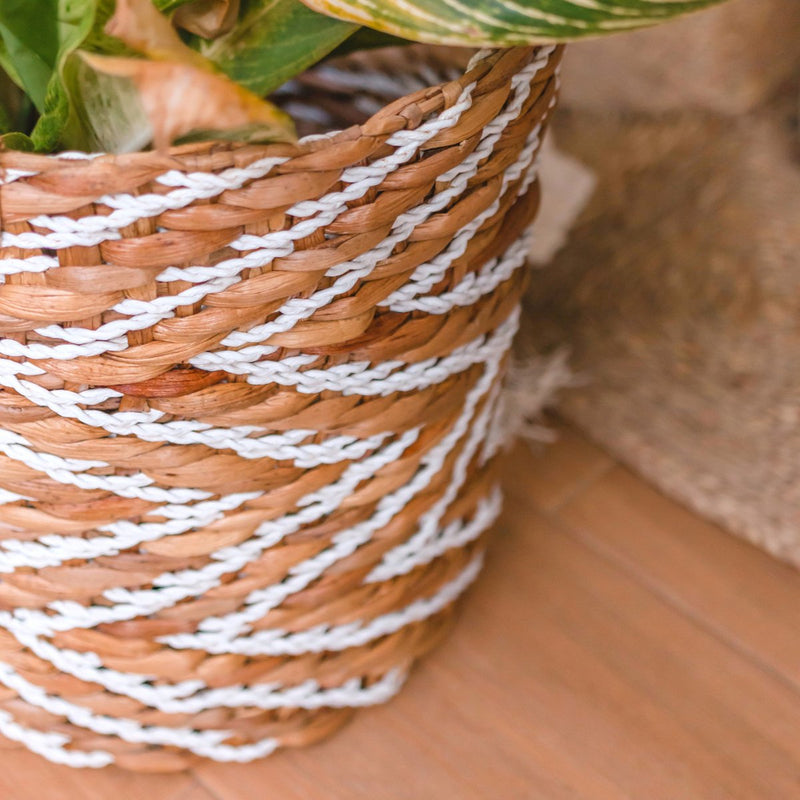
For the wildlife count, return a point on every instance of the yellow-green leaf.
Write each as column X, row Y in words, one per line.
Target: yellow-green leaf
column 273, row 41
column 504, row 23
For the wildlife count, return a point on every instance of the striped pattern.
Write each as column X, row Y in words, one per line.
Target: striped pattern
column 249, row 404
column 504, row 23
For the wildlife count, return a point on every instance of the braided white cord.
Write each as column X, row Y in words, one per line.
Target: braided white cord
column 192, row 696
column 356, row 634
column 349, row 273
column 32, row 264
column 216, row 634
column 206, row 742
column 360, row 378
column 130, row 208
column 211, row 279
column 77, row 342
column 363, row 378
column 52, row 550
column 11, row 175
column 52, row 745
column 7, row 497
column 74, row 471
column 407, row 551
column 280, row 447
column 231, row 633
column 24, row 622
column 284, row 446
column 142, row 314
column 472, row 287
column 172, row 587
column 94, row 230
column 456, row 534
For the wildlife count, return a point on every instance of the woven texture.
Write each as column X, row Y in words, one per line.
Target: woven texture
column 250, row 400
column 686, row 334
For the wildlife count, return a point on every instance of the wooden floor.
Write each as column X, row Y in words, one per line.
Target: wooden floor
column 617, row 647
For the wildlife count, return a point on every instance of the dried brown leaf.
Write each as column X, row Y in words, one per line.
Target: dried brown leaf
column 179, row 98
column 141, row 26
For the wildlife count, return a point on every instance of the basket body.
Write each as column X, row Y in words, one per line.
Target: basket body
column 248, row 416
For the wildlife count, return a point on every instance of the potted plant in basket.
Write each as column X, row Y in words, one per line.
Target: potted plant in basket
column 249, row 383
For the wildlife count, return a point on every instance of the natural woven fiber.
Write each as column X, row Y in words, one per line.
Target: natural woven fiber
column 249, row 406
column 678, row 295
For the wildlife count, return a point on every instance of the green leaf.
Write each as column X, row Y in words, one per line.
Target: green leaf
column 168, row 6
column 504, row 23
column 105, row 113
column 75, row 20
column 273, row 41
column 367, row 39
column 30, row 29
column 16, row 141
column 120, row 103
column 11, row 103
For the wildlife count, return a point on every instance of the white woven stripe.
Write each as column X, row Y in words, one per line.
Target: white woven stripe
column 265, row 248
column 130, row 208
column 470, row 290
column 74, row 471
column 216, row 634
column 170, row 588
column 53, row 550
column 206, row 742
column 52, row 745
column 94, row 230
column 284, row 446
column 24, row 622
column 354, row 378
column 407, row 553
column 179, row 510
column 208, row 279
column 7, row 497
column 340, row 637
column 193, row 695
column 349, row 273
column 142, row 314
column 361, row 377
column 457, row 534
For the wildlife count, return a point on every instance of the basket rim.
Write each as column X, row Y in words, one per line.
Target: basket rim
column 199, row 156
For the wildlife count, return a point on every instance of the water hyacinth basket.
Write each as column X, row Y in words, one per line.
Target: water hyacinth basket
column 249, row 408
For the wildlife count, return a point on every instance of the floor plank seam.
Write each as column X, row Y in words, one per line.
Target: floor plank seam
column 683, row 608
column 198, row 778
column 596, row 474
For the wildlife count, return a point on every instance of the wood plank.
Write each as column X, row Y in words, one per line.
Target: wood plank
column 194, row 792
column 616, row 648
column 25, row 776
column 547, row 475
column 565, row 678
column 739, row 592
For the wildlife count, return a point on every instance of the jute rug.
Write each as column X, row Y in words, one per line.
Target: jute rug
column 679, row 295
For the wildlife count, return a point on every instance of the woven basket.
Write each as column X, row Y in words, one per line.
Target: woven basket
column 249, row 406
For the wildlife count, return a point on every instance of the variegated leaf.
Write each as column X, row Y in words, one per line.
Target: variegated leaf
column 504, row 23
